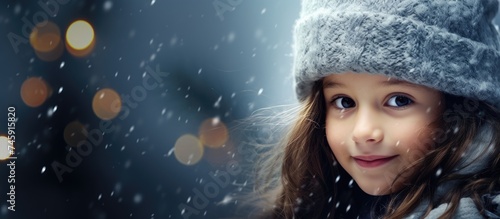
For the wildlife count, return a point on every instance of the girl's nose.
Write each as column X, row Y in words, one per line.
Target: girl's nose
column 367, row 128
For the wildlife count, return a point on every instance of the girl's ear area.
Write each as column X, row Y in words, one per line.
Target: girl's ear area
column 441, row 104
column 438, row 124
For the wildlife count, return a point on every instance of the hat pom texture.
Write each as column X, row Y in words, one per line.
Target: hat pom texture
column 449, row 45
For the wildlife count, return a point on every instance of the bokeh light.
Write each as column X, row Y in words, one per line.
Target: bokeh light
column 80, row 38
column 4, row 148
column 220, row 156
column 35, row 91
column 106, row 104
column 213, row 132
column 188, row 149
column 74, row 133
column 45, row 38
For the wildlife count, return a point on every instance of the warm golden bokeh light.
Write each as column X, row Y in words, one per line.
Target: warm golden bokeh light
column 188, row 149
column 106, row 104
column 74, row 133
column 4, row 148
column 213, row 133
column 45, row 38
column 80, row 38
column 35, row 91
column 80, row 35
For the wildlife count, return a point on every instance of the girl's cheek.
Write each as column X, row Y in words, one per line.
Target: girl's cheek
column 428, row 139
column 413, row 155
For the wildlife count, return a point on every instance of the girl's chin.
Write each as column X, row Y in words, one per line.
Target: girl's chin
column 377, row 191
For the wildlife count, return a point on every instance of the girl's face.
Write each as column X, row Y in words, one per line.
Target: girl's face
column 376, row 126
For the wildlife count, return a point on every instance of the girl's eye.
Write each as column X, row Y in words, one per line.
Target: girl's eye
column 344, row 102
column 399, row 101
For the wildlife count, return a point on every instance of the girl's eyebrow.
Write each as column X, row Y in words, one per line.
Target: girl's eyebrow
column 332, row 84
column 389, row 82
column 398, row 82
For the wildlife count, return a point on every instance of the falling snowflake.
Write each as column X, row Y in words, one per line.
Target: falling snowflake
column 170, row 152
column 107, row 5
column 17, row 9
column 226, row 200
column 215, row 121
column 137, row 198
column 438, row 172
column 230, row 37
column 217, row 103
column 51, row 111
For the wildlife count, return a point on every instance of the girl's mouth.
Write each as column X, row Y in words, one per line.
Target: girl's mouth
column 373, row 161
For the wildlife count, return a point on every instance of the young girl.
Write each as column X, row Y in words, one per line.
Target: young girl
column 400, row 113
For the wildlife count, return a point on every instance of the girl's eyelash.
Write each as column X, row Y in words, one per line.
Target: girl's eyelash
column 334, row 98
column 334, row 104
column 410, row 98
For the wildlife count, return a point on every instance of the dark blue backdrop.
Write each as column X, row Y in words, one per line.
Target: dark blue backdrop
column 224, row 59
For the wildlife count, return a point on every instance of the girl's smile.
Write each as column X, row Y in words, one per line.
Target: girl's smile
column 377, row 126
column 372, row 161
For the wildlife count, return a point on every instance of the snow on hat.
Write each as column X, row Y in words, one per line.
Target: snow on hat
column 449, row 45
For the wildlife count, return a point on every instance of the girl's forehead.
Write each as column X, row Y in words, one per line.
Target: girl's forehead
column 346, row 79
column 349, row 76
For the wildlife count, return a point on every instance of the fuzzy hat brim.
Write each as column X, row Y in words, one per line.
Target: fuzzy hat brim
column 329, row 42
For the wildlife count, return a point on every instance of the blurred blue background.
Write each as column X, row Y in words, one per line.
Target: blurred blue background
column 224, row 60
column 218, row 61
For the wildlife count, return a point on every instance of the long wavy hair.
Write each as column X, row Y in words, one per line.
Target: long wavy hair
column 300, row 178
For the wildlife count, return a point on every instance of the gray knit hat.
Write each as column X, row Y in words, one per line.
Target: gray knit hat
column 449, row 45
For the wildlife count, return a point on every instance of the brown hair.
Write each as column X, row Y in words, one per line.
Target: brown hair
column 461, row 124
column 310, row 183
